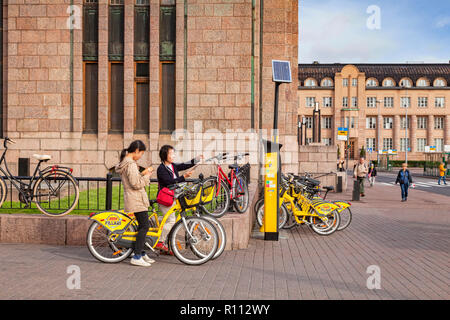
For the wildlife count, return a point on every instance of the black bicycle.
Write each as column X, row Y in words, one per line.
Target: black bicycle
column 54, row 190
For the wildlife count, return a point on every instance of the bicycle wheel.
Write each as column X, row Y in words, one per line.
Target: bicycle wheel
column 3, row 191
column 290, row 222
column 56, row 193
column 346, row 218
column 282, row 215
column 220, row 200
column 259, row 218
column 102, row 248
column 221, row 233
column 194, row 240
column 326, row 227
column 240, row 194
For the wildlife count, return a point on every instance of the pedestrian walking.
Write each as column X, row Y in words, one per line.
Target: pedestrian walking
column 442, row 172
column 135, row 197
column 167, row 173
column 341, row 165
column 360, row 172
column 405, row 180
column 372, row 174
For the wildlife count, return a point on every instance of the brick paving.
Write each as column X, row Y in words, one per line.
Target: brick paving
column 408, row 241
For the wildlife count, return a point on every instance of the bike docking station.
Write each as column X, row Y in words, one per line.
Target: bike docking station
column 281, row 72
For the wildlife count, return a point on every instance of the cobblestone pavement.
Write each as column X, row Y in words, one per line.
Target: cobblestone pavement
column 409, row 243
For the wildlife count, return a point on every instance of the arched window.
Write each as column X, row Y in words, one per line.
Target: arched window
column 405, row 82
column 388, row 82
column 310, row 82
column 439, row 82
column 371, row 82
column 327, row 82
column 423, row 82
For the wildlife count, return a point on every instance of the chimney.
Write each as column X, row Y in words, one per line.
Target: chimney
column 316, row 62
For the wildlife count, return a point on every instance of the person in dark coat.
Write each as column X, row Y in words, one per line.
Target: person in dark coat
column 405, row 180
column 167, row 174
column 372, row 174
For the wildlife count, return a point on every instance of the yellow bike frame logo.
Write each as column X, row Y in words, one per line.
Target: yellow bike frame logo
column 113, row 221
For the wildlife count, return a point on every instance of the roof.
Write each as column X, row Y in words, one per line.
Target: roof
column 378, row 71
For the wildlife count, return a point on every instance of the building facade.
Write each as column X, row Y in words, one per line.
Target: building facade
column 403, row 107
column 83, row 78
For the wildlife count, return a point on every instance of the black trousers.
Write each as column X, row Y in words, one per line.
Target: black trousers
column 143, row 227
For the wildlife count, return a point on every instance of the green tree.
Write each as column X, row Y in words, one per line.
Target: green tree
column 362, row 153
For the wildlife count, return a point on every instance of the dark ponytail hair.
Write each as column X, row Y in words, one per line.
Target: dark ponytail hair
column 135, row 145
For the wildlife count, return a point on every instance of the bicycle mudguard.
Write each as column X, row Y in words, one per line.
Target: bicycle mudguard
column 342, row 205
column 112, row 220
column 323, row 208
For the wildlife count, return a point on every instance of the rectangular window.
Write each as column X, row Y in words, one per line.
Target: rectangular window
column 422, row 122
column 422, row 102
column 354, row 82
column 327, row 102
column 90, row 123
column 354, row 101
column 439, row 102
column 345, row 82
column 116, row 110
column 388, row 102
column 90, row 30
column 353, row 123
column 403, row 122
column 371, row 123
column 387, row 144
column 142, row 98
column 167, row 32
column 326, row 141
column 309, row 140
column 310, row 102
column 142, row 30
column 388, row 122
column 326, row 122
column 371, row 143
column 421, row 143
column 345, row 102
column 116, row 30
column 405, row 102
column 309, row 122
column 167, row 97
column 439, row 143
column 404, row 144
column 371, row 102
column 439, row 123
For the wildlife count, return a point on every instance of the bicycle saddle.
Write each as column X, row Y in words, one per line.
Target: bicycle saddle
column 233, row 166
column 42, row 157
column 329, row 188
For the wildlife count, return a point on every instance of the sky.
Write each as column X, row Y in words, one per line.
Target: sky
column 369, row 31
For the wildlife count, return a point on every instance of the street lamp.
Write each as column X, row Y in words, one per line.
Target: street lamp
column 316, row 110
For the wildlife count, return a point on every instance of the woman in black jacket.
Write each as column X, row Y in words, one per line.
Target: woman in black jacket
column 168, row 175
column 405, row 179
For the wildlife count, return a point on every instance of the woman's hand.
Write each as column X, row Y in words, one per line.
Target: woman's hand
column 198, row 158
column 148, row 171
column 188, row 174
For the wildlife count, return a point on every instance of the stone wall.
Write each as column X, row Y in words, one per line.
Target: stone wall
column 318, row 159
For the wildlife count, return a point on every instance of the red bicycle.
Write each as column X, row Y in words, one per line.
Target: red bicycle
column 230, row 190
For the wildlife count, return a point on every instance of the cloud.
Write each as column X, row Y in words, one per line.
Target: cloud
column 337, row 31
column 442, row 22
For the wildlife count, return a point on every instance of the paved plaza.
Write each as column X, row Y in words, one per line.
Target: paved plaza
column 408, row 243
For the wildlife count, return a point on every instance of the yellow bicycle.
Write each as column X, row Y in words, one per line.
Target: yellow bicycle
column 193, row 239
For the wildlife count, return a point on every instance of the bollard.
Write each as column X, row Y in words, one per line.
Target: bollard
column 356, row 193
column 108, row 204
column 339, row 184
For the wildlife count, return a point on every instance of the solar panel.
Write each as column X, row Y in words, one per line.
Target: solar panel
column 281, row 71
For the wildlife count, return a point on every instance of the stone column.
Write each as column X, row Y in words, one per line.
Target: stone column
column 128, row 77
column 412, row 135
column 430, row 130
column 396, row 135
column 447, row 130
column 103, row 74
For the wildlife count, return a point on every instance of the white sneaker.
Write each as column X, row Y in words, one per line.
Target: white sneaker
column 140, row 262
column 148, row 259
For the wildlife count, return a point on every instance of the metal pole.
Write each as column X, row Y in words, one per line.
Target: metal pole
column 406, row 126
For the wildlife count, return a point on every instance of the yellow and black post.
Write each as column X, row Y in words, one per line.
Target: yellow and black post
column 272, row 174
